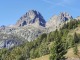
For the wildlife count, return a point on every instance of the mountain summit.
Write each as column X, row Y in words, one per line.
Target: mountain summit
column 57, row 21
column 32, row 17
column 30, row 26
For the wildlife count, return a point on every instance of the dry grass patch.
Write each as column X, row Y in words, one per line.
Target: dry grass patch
column 46, row 57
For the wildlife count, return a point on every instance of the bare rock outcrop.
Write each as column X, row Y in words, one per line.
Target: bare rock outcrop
column 57, row 21
column 32, row 17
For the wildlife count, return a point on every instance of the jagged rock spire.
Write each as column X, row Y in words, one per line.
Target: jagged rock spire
column 32, row 17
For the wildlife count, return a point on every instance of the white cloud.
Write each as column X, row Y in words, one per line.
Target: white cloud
column 63, row 3
column 58, row 3
column 47, row 1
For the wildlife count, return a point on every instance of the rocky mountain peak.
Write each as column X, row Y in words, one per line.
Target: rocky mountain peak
column 57, row 21
column 2, row 27
column 65, row 16
column 32, row 17
column 77, row 18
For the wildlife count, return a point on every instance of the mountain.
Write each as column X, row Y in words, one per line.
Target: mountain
column 78, row 18
column 33, row 35
column 31, row 25
column 9, row 43
column 10, row 40
column 32, row 17
column 2, row 27
column 56, row 21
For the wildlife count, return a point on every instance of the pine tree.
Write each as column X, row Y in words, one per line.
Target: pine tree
column 76, row 38
column 57, row 50
column 75, row 49
column 75, row 41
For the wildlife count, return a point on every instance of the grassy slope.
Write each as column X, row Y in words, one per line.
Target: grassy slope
column 46, row 57
column 77, row 30
column 70, row 53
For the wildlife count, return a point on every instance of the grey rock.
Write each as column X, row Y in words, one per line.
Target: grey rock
column 31, row 17
column 10, row 40
column 30, row 26
column 29, row 33
column 2, row 27
column 78, row 18
column 9, row 43
column 58, row 20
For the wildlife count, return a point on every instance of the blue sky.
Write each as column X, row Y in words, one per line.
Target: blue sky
column 12, row 10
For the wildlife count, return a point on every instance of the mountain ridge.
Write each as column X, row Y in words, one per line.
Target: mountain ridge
column 32, row 24
column 31, row 17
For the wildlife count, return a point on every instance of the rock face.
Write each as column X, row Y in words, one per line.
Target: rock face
column 64, row 16
column 57, row 21
column 26, row 25
column 2, row 27
column 29, row 27
column 9, row 43
column 78, row 18
column 32, row 17
column 29, row 33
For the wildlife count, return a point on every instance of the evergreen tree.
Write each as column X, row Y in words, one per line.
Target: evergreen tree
column 76, row 40
column 75, row 49
column 57, row 50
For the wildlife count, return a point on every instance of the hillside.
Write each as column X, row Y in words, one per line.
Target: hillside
column 25, row 40
column 41, row 47
column 31, row 25
column 70, row 55
column 46, row 57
